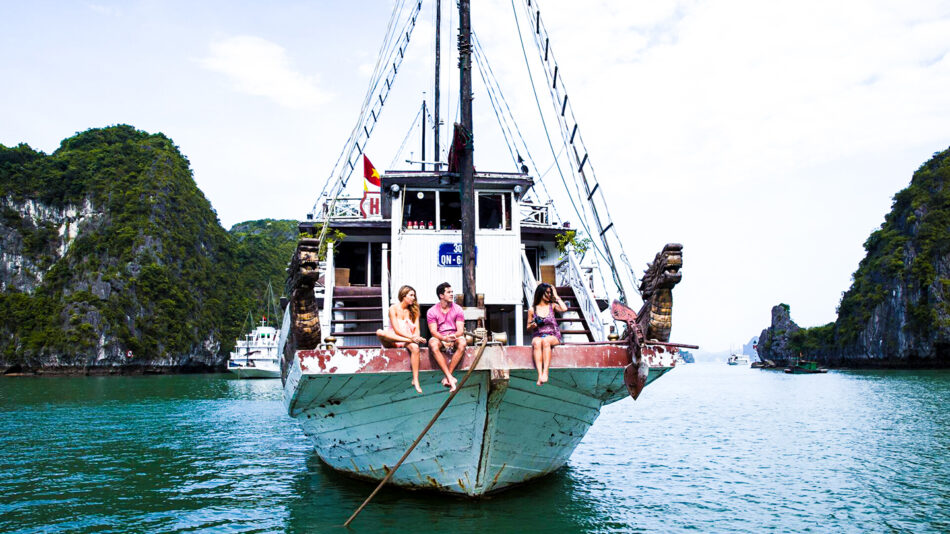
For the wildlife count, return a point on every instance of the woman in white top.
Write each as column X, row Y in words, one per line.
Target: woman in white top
column 403, row 330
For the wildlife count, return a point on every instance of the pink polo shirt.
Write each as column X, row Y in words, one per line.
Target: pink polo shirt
column 445, row 323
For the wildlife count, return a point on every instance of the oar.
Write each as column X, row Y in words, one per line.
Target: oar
column 478, row 356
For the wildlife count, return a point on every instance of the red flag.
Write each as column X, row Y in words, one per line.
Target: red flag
column 370, row 172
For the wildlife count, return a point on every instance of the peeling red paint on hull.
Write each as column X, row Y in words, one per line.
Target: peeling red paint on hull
column 359, row 410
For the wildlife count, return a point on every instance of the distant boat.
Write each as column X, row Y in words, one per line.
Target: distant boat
column 738, row 359
column 256, row 355
column 804, row 367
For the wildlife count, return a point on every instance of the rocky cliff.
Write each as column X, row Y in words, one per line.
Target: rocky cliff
column 897, row 310
column 112, row 259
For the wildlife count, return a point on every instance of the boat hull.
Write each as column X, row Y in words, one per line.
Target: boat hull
column 501, row 429
column 254, row 372
column 800, row 371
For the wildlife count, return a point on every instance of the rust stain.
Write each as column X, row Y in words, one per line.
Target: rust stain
column 461, row 484
column 498, row 474
column 433, row 482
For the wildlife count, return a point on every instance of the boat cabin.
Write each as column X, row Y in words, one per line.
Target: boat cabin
column 409, row 233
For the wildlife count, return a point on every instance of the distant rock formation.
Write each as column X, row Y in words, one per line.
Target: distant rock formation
column 112, row 259
column 897, row 311
column 775, row 341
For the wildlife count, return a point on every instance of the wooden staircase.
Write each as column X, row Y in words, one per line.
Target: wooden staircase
column 572, row 325
column 357, row 311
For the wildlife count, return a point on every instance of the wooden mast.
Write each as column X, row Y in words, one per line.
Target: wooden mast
column 438, row 64
column 466, row 159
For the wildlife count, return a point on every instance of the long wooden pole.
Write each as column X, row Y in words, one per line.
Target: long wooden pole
column 466, row 154
column 478, row 356
column 438, row 67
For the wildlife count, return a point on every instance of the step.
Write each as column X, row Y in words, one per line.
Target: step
column 584, row 331
column 356, row 291
column 337, row 298
column 348, row 321
column 357, row 308
column 343, row 334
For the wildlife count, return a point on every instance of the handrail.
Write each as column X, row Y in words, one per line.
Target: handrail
column 329, row 280
column 384, row 285
column 528, row 282
column 569, row 273
column 535, row 213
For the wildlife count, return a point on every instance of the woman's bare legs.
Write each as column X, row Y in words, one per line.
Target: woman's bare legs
column 414, row 361
column 537, row 345
column 387, row 339
column 549, row 342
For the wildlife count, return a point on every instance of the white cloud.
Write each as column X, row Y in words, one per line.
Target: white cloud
column 259, row 67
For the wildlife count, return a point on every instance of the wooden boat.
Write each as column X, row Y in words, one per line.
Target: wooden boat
column 353, row 399
column 802, row 367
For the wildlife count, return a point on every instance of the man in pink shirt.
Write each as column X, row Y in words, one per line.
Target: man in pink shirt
column 447, row 327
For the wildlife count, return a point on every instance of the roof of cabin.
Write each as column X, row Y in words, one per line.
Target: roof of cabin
column 441, row 180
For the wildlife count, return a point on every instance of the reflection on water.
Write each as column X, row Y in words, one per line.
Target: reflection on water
column 706, row 448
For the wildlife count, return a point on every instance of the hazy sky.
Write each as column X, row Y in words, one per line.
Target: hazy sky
column 767, row 137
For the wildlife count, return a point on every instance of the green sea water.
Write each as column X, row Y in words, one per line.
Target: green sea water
column 707, row 448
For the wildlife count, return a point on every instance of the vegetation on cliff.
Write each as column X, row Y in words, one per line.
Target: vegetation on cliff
column 898, row 305
column 128, row 253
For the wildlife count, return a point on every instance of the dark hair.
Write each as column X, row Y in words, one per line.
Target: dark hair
column 441, row 288
column 539, row 293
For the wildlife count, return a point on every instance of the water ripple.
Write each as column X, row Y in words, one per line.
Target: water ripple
column 705, row 449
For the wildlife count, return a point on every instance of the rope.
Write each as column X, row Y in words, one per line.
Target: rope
column 478, row 357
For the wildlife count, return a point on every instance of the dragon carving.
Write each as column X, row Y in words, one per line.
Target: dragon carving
column 655, row 319
column 304, row 312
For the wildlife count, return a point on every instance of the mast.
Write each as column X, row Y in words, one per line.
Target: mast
column 438, row 63
column 423, row 134
column 466, row 159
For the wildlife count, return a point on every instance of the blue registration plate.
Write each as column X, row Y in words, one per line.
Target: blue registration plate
column 450, row 255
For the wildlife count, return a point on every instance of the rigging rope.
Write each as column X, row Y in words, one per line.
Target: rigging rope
column 412, row 126
column 547, row 135
column 494, row 91
column 352, row 149
column 607, row 234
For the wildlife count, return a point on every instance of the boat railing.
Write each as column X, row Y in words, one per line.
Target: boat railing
column 569, row 273
column 329, row 280
column 528, row 282
column 343, row 208
column 384, row 285
column 536, row 213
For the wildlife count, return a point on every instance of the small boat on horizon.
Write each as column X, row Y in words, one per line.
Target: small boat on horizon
column 803, row 367
column 738, row 359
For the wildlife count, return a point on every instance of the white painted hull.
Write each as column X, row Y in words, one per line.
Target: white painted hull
column 270, row 371
column 493, row 435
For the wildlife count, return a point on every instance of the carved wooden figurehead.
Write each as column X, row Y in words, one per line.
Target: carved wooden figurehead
column 304, row 312
column 655, row 320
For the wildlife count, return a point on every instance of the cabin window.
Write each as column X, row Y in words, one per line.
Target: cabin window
column 494, row 211
column 450, row 210
column 419, row 209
